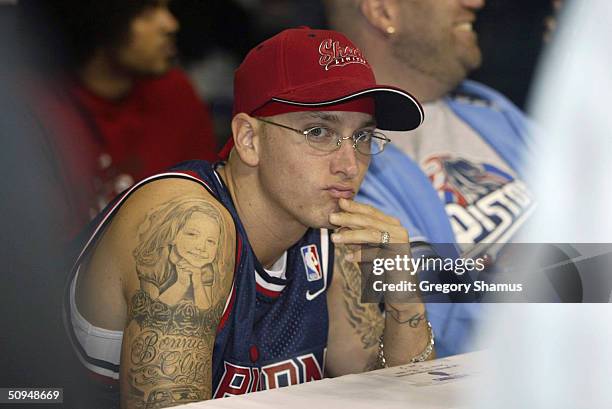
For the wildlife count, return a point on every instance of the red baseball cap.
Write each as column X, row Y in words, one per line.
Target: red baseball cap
column 308, row 68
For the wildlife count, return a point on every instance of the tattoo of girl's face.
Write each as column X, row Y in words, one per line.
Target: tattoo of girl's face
column 179, row 241
column 198, row 240
column 183, row 264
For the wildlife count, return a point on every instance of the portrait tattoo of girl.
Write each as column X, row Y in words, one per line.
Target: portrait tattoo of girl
column 179, row 256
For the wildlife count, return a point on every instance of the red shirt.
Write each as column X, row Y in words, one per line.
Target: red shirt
column 104, row 146
column 160, row 123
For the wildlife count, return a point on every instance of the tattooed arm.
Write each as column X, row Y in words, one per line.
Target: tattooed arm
column 355, row 327
column 169, row 254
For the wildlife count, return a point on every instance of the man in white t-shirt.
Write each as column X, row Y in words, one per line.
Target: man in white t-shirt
column 458, row 178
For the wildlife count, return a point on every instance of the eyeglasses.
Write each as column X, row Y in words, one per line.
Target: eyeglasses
column 324, row 139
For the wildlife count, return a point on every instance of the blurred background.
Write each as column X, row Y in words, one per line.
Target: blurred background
column 216, row 34
column 214, row 37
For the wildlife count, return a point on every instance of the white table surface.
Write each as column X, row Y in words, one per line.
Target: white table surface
column 439, row 384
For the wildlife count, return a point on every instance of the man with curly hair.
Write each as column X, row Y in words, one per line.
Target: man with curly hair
column 139, row 111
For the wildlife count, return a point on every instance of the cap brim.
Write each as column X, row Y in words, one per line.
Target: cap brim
column 396, row 110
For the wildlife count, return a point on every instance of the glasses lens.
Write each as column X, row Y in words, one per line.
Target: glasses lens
column 370, row 143
column 321, row 138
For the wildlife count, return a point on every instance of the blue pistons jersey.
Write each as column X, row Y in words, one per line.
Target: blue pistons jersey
column 273, row 331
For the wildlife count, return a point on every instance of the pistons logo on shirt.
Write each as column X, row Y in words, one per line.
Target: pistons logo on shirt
column 312, row 262
column 463, row 182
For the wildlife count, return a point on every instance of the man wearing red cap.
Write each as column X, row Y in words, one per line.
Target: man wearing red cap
column 216, row 280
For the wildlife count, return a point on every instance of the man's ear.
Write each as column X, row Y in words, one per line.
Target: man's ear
column 383, row 15
column 246, row 140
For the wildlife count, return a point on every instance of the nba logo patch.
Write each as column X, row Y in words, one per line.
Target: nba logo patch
column 310, row 255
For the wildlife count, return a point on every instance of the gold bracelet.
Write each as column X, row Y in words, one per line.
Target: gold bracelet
column 382, row 361
column 428, row 349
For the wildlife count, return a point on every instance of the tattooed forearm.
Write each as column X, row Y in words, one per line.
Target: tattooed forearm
column 365, row 319
column 172, row 318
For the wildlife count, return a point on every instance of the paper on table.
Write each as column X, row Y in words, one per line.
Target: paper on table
column 438, row 384
column 431, row 373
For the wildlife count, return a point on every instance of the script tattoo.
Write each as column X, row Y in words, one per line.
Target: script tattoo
column 183, row 272
column 413, row 321
column 366, row 319
column 181, row 360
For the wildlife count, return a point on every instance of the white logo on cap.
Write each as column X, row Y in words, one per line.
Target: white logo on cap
column 334, row 55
